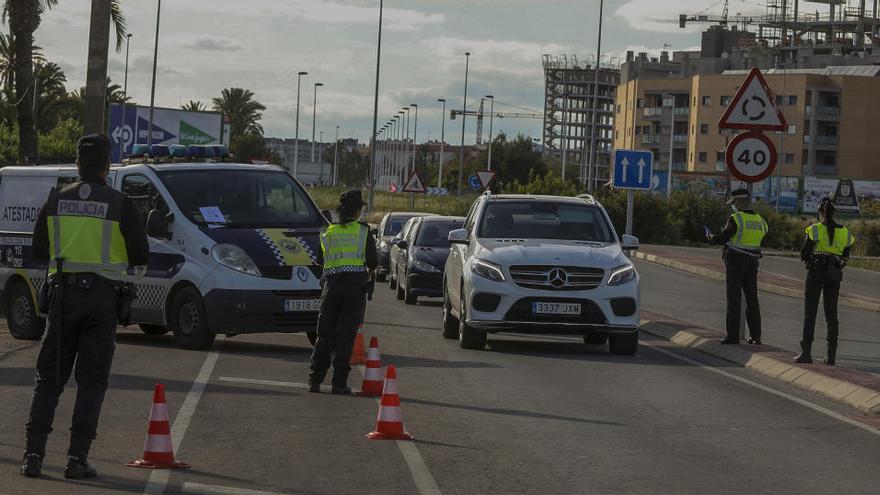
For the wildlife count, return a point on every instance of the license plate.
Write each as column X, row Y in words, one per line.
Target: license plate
column 302, row 305
column 547, row 308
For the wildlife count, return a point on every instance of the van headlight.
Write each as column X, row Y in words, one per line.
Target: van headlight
column 423, row 267
column 488, row 270
column 622, row 275
column 232, row 256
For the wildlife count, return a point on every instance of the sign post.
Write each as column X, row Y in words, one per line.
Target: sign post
column 633, row 170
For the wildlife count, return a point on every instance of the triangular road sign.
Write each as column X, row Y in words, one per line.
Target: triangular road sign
column 415, row 184
column 753, row 108
column 486, row 177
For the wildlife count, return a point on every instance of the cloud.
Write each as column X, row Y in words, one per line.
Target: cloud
column 213, row 44
column 651, row 15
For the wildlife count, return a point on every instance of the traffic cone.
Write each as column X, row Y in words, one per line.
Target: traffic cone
column 158, row 450
column 372, row 384
column 359, row 356
column 389, row 424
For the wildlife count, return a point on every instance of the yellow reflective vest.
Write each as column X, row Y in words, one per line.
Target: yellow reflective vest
column 818, row 233
column 750, row 230
column 344, row 247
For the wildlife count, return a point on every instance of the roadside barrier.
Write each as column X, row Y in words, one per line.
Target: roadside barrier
column 389, row 423
column 372, row 384
column 158, row 448
column 359, row 355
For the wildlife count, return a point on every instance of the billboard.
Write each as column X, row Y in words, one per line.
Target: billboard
column 170, row 126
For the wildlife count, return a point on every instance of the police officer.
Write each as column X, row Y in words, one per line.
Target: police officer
column 825, row 251
column 95, row 234
column 742, row 238
column 349, row 261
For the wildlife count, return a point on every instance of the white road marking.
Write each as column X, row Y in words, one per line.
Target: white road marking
column 200, row 489
column 764, row 388
column 159, row 478
column 272, row 383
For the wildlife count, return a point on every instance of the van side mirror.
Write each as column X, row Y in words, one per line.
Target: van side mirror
column 459, row 236
column 629, row 242
column 158, row 225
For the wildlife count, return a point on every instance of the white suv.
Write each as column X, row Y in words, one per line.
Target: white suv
column 541, row 265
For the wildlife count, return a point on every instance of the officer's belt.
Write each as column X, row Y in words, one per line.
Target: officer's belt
column 87, row 280
column 743, row 251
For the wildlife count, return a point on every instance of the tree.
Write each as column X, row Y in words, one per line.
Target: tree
column 194, row 106
column 514, row 160
column 51, row 95
column 243, row 111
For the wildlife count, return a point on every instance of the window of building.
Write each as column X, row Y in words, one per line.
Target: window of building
column 725, row 100
column 792, row 129
column 695, row 101
column 792, row 100
column 703, row 157
column 781, row 100
column 618, row 108
column 639, row 103
column 646, row 130
column 638, row 130
column 704, row 128
column 789, row 158
column 707, row 101
column 719, row 156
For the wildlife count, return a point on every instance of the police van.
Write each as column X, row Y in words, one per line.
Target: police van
column 234, row 248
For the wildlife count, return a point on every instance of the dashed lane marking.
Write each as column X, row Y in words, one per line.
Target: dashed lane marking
column 159, row 478
column 200, row 489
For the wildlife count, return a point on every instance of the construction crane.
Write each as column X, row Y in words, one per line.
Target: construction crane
column 481, row 114
column 723, row 20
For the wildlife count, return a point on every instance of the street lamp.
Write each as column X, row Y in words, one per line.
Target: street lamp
column 406, row 146
column 463, row 120
column 336, row 159
column 442, row 140
column 415, row 135
column 125, row 96
column 296, row 133
column 153, row 84
column 398, row 169
column 491, row 121
column 315, row 118
column 591, row 158
column 375, row 111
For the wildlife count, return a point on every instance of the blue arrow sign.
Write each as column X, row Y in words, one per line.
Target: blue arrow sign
column 633, row 169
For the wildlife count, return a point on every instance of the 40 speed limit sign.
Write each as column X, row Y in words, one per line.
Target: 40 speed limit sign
column 751, row 157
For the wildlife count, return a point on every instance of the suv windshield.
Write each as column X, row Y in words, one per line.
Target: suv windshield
column 545, row 220
column 435, row 234
column 241, row 198
column 394, row 225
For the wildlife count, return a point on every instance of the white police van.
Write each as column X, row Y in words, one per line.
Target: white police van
column 234, row 248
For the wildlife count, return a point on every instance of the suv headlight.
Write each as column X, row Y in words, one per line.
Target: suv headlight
column 622, row 275
column 488, row 270
column 422, row 266
column 234, row 257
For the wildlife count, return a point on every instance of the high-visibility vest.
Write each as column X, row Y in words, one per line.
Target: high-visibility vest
column 83, row 221
column 344, row 247
column 818, row 233
column 750, row 230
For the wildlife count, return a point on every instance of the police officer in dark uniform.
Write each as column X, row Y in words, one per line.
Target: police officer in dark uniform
column 825, row 251
column 349, row 263
column 742, row 238
column 91, row 234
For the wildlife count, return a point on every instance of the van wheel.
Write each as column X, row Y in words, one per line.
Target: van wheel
column 21, row 314
column 591, row 339
column 468, row 337
column 626, row 345
column 189, row 320
column 153, row 329
column 450, row 324
column 313, row 337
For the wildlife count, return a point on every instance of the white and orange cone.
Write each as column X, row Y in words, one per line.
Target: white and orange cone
column 158, row 449
column 372, row 384
column 389, row 424
column 359, row 355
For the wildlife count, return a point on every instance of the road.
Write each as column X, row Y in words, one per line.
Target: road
column 532, row 415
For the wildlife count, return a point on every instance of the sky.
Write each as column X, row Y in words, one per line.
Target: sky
column 208, row 45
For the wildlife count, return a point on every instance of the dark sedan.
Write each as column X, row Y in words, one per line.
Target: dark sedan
column 388, row 229
column 424, row 252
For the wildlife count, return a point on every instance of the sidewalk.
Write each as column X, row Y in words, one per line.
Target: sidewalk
column 778, row 275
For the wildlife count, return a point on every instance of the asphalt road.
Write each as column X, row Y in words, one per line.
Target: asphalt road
column 532, row 415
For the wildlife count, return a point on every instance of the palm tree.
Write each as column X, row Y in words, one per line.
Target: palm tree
column 51, row 93
column 242, row 110
column 194, row 106
column 24, row 19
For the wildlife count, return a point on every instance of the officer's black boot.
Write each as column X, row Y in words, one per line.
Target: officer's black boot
column 78, row 466
column 805, row 356
column 831, row 359
column 32, row 464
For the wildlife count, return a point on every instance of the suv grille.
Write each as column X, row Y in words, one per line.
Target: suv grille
column 562, row 278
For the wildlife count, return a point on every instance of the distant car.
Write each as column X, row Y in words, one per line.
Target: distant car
column 388, row 229
column 423, row 255
column 543, row 265
column 395, row 254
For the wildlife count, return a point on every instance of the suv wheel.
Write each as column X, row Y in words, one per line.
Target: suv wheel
column 450, row 324
column 408, row 296
column 468, row 338
column 21, row 314
column 399, row 294
column 189, row 320
column 591, row 339
column 624, row 345
column 392, row 284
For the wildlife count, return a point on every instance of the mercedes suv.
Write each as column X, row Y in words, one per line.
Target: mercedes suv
column 541, row 265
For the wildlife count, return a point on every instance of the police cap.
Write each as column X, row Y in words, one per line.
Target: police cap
column 93, row 150
column 352, row 199
column 738, row 194
column 826, row 204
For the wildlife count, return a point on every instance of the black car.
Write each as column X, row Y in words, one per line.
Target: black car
column 421, row 257
column 389, row 228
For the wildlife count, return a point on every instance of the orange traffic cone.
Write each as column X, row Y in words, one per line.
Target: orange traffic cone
column 389, row 424
column 372, row 384
column 359, row 356
column 158, row 450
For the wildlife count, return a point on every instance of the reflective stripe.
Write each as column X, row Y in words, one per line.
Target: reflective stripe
column 814, row 236
column 159, row 412
column 738, row 219
column 849, row 239
column 106, row 239
column 391, row 414
column 56, row 237
column 158, row 444
column 373, row 374
column 390, row 387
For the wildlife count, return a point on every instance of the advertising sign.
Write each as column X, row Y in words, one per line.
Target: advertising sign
column 845, row 199
column 129, row 125
column 816, row 189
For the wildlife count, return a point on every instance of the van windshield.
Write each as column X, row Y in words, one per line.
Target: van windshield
column 545, row 220
column 241, row 198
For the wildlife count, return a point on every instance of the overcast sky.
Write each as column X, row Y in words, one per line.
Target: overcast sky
column 206, row 45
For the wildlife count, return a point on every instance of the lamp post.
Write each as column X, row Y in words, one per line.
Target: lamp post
column 336, row 160
column 491, row 121
column 296, row 132
column 593, row 146
column 564, row 141
column 671, row 101
column 375, row 112
column 442, row 141
column 153, row 84
column 315, row 118
column 125, row 97
column 415, row 135
column 399, row 146
column 463, row 120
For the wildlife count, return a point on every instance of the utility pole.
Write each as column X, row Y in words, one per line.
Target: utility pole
column 336, row 160
column 442, row 139
column 372, row 184
column 463, row 120
column 593, row 166
column 96, row 72
column 153, row 85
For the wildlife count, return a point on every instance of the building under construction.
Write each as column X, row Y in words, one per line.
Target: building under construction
column 570, row 97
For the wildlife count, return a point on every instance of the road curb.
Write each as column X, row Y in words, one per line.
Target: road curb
column 762, row 286
column 772, row 364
